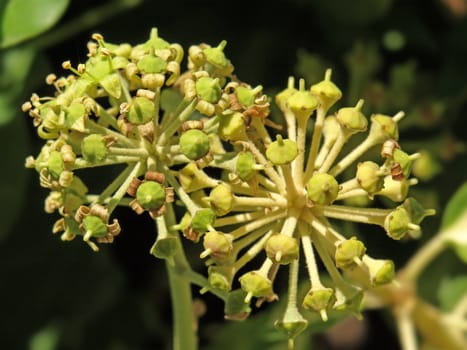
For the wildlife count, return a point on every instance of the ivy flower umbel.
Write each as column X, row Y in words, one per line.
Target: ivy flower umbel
column 202, row 137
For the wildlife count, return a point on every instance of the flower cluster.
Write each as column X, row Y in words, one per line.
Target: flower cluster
column 249, row 187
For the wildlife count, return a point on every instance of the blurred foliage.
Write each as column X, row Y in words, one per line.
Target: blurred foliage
column 396, row 54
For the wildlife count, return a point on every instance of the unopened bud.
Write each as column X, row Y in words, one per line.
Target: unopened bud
column 326, row 91
column 202, row 219
column 397, row 223
column 282, row 249
column 220, row 277
column 281, row 151
column 141, row 111
column 235, row 307
column 94, row 148
column 322, row 189
column 383, row 128
column 208, row 89
column 164, row 248
column 245, row 166
column 217, row 245
column 232, row 127
column 256, row 285
column 319, row 300
column 349, row 253
column 352, row 119
column 302, row 103
column 381, row 271
column 194, row 144
column 221, row 199
column 370, row 177
column 151, row 64
column 150, row 195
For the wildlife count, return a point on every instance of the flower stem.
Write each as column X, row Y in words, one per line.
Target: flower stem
column 315, row 142
column 406, row 331
column 424, row 257
column 184, row 337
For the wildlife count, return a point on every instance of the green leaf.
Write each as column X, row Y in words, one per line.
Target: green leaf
column 455, row 221
column 15, row 65
column 451, row 291
column 23, row 19
column 455, row 208
column 13, row 139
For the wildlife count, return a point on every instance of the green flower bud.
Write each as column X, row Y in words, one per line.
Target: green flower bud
column 416, row 211
column 383, row 128
column 155, row 42
column 381, row 271
column 194, row 144
column 319, row 300
column 220, row 277
column 246, row 96
column 151, row 64
column 245, row 166
column 164, row 248
column 351, row 302
column 216, row 56
column 403, row 159
column 322, row 189
column 55, row 164
column 283, row 96
column 235, row 307
column 256, row 285
column 221, row 199
column 397, row 223
column 326, row 91
column 292, row 324
column 217, row 245
column 94, row 226
column 150, row 195
column 202, row 219
column 349, row 253
column 208, row 89
column 370, row 177
column 302, row 103
column 94, row 148
column 352, row 119
column 141, row 111
column 281, row 151
column 281, row 249
column 232, row 127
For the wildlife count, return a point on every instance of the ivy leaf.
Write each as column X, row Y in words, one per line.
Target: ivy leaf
column 451, row 291
column 23, row 19
column 454, row 223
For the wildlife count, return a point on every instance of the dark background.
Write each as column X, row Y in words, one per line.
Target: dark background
column 118, row 299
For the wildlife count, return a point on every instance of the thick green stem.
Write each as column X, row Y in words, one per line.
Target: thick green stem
column 184, row 322
column 184, row 337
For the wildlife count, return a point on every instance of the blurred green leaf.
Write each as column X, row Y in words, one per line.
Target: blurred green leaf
column 45, row 339
column 23, row 19
column 15, row 66
column 455, row 221
column 456, row 207
column 451, row 291
column 13, row 140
